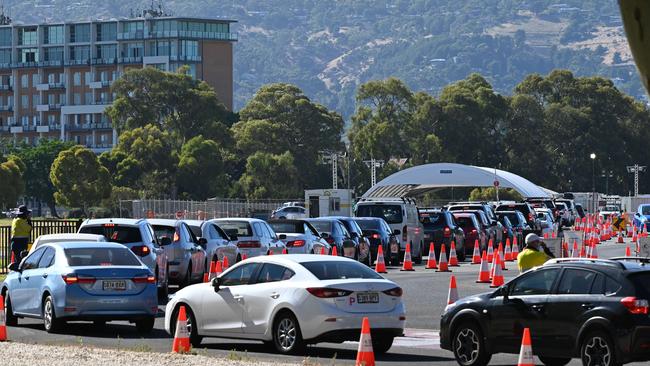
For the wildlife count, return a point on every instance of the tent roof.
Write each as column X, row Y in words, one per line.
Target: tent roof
column 423, row 178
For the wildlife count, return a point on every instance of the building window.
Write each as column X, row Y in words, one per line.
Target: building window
column 189, row 48
column 24, row 101
column 62, row 99
column 132, row 27
column 51, row 99
column 103, row 76
column 76, row 79
column 88, row 78
column 24, row 120
column 29, row 55
column 36, row 100
column 107, row 51
column 134, row 50
column 5, row 37
column 53, row 34
column 89, row 99
column 80, row 33
column 35, row 80
column 89, row 140
column 53, row 54
column 51, row 119
column 10, row 100
column 79, row 53
column 28, row 36
column 5, row 56
column 77, row 98
column 106, row 32
column 24, row 81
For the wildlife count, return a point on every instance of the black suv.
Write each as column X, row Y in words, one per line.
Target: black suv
column 595, row 310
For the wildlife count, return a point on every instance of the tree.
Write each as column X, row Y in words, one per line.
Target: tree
column 79, row 179
column 201, row 172
column 270, row 176
column 489, row 194
column 38, row 161
column 11, row 176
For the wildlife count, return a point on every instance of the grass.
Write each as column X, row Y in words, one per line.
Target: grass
column 2, row 277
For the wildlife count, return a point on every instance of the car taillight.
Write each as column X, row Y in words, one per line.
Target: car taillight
column 395, row 292
column 474, row 231
column 634, row 305
column 296, row 243
column 530, row 216
column 505, row 231
column 71, row 279
column 446, row 232
column 326, row 293
column 176, row 236
column 405, row 233
column 144, row 279
column 329, row 240
column 249, row 244
column 141, row 250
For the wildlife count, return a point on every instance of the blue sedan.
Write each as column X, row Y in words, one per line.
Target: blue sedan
column 81, row 281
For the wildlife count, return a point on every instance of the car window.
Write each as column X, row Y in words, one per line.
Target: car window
column 335, row 270
column 288, row 227
column 598, row 287
column 31, row 261
column 576, row 282
column 196, row 230
column 322, row 226
column 213, row 233
column 258, row 230
column 465, row 222
column 386, row 227
column 344, row 232
column 611, row 286
column 269, row 231
column 115, row 233
column 274, row 273
column 237, row 228
column 537, row 283
column 150, row 237
column 369, row 224
column 191, row 237
column 240, row 275
column 164, row 231
column 391, row 213
column 79, row 257
column 47, row 259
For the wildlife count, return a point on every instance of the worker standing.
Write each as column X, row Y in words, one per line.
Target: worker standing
column 21, row 228
column 531, row 256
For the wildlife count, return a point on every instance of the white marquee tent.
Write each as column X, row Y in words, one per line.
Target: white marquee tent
column 422, row 178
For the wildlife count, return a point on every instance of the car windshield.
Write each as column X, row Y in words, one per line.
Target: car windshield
column 338, row 270
column 512, row 216
column 368, row 224
column 322, row 226
column 645, row 210
column 115, row 233
column 288, row 227
column 236, row 228
column 391, row 213
column 80, row 257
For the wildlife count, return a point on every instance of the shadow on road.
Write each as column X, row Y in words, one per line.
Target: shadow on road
column 109, row 330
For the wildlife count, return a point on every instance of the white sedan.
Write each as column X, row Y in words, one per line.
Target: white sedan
column 288, row 301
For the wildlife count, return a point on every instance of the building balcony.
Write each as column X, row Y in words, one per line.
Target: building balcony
column 5, row 65
column 6, row 108
column 130, row 35
column 80, row 62
column 196, row 58
column 4, row 128
column 6, row 87
column 54, row 127
column 100, row 84
column 47, row 107
column 103, row 61
column 57, row 85
column 51, row 63
column 24, row 65
column 130, row 60
column 194, row 34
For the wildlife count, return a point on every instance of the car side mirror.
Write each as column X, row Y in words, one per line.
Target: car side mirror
column 396, row 232
column 203, row 242
column 15, row 266
column 216, row 284
column 282, row 236
column 324, row 235
column 165, row 240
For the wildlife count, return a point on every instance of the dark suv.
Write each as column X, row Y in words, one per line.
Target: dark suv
column 595, row 310
column 526, row 209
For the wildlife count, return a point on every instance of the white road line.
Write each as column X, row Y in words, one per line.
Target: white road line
column 416, row 338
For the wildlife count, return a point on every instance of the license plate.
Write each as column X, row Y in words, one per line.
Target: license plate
column 394, row 248
column 114, row 285
column 368, row 298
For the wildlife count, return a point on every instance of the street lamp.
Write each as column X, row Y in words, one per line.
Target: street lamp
column 593, row 181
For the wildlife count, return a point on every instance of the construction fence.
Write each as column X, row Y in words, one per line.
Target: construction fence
column 202, row 210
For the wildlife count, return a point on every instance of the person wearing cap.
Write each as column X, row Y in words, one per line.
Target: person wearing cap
column 21, row 228
column 535, row 253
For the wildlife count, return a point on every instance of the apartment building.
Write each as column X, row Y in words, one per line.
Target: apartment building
column 55, row 78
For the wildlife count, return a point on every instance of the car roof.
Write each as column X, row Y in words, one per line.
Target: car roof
column 170, row 222
column 243, row 219
column 289, row 221
column 298, row 258
column 368, row 218
column 618, row 264
column 117, row 221
column 89, row 244
column 194, row 222
column 72, row 236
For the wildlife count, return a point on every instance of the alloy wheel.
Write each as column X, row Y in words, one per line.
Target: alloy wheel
column 466, row 346
column 286, row 334
column 47, row 314
column 597, row 352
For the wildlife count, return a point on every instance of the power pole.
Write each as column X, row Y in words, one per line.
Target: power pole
column 373, row 164
column 331, row 157
column 635, row 169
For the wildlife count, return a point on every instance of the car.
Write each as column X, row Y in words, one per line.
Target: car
column 68, row 238
column 472, row 228
column 299, row 236
column 495, row 227
column 592, row 309
column 290, row 212
column 641, row 217
column 219, row 245
column 509, row 230
column 378, row 232
column 357, row 235
column 609, row 210
column 335, row 233
column 402, row 217
column 580, row 210
column 564, row 216
column 548, row 225
column 544, row 203
column 289, row 301
column 89, row 281
column 570, row 205
column 526, row 209
column 254, row 237
column 518, row 222
column 489, row 229
column 137, row 235
column 185, row 252
column 440, row 227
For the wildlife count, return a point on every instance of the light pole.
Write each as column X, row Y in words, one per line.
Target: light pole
column 593, row 181
column 607, row 174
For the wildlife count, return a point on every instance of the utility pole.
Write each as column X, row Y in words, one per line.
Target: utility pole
column 607, row 174
column 373, row 164
column 635, row 169
column 331, row 157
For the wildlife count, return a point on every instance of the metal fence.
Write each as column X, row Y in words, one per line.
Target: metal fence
column 202, row 210
column 39, row 227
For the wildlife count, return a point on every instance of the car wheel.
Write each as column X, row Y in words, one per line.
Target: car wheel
column 596, row 349
column 163, row 291
column 418, row 259
column 287, row 337
column 382, row 345
column 50, row 321
column 195, row 338
column 554, row 361
column 10, row 319
column 145, row 325
column 468, row 346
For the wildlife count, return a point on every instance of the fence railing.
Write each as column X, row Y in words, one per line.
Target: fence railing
column 39, row 227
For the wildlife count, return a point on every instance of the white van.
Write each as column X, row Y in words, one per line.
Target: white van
column 403, row 218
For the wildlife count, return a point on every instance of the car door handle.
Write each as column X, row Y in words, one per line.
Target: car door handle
column 537, row 307
column 275, row 295
column 238, row 297
column 44, row 275
column 588, row 306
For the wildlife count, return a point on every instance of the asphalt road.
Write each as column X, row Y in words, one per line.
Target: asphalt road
column 425, row 295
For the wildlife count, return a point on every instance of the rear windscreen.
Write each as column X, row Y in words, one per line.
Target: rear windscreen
column 115, row 233
column 322, row 226
column 465, row 222
column 368, row 224
column 335, row 270
column 288, row 227
column 162, row 231
column 391, row 213
column 641, row 284
column 434, row 220
column 513, row 217
column 236, row 228
column 79, row 257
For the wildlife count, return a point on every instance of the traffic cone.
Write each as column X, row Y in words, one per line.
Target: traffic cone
column 574, row 251
column 508, row 254
column 484, row 272
column 285, row 251
column 182, row 335
column 553, row 235
column 493, row 265
column 501, row 260
column 497, row 279
column 526, row 352
column 365, row 354
column 206, row 277
column 620, row 237
column 431, row 258
column 515, row 249
column 545, row 235
column 244, row 257
column 335, row 252
column 3, row 326
column 453, row 260
column 408, row 264
column 594, row 252
column 476, row 256
column 218, row 269
column 452, row 296
column 225, row 262
column 490, row 251
column 13, row 258
column 212, row 271
column 628, row 253
column 380, row 266
column 443, row 266
column 634, row 237
column 322, row 250
column 583, row 251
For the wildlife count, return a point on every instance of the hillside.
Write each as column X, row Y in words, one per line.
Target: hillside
column 329, row 47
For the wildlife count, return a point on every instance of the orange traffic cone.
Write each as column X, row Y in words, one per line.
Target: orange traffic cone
column 453, row 260
column 322, row 250
column 634, row 237
column 493, row 265
column 476, row 256
column 594, row 252
column 508, row 251
column 526, row 352
column 3, row 326
column 211, row 271
column 285, row 251
column 408, row 264
column 620, row 237
column 365, row 354
column 490, row 251
column 628, row 252
column 501, row 260
column 431, row 258
column 497, row 278
column 270, row 252
column 545, row 235
column 218, row 269
column 225, row 263
column 484, row 272
column 13, row 258
column 206, row 277
column 574, row 251
column 244, row 257
column 515, row 249
column 335, row 252
column 452, row 296
column 443, row 266
column 380, row 266
column 182, row 335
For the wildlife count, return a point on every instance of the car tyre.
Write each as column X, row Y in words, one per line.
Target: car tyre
column 418, row 259
column 10, row 319
column 163, row 290
column 195, row 338
column 381, row 345
column 554, row 361
column 287, row 337
column 468, row 346
column 597, row 348
column 145, row 325
column 50, row 322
